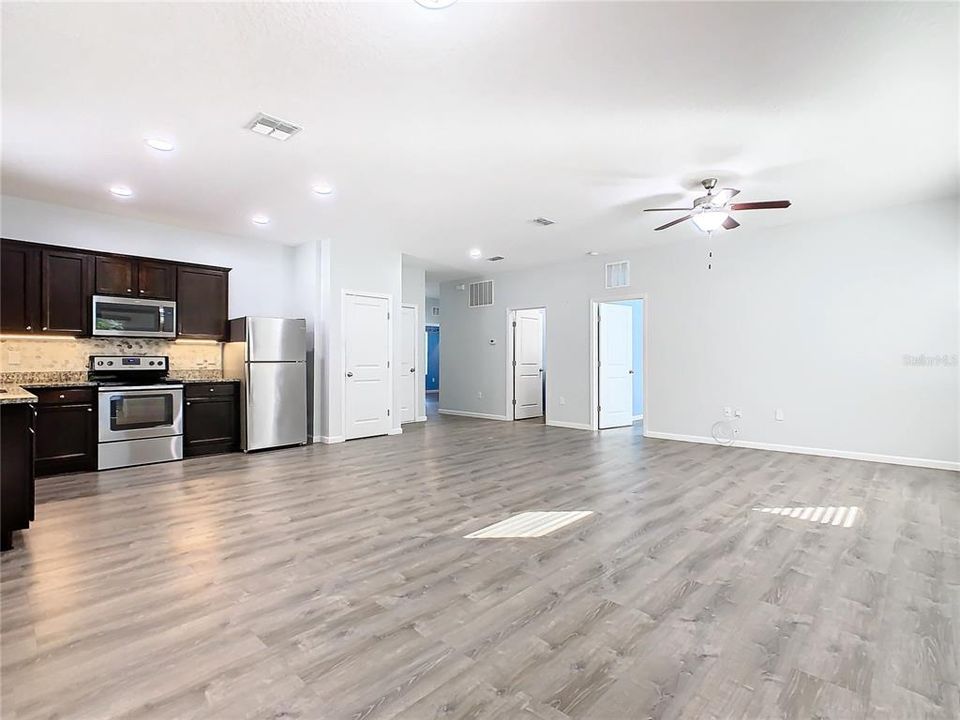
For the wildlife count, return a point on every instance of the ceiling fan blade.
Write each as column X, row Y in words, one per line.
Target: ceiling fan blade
column 667, row 209
column 724, row 195
column 765, row 205
column 730, row 223
column 673, row 222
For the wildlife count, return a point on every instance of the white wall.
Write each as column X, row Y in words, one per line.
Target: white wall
column 414, row 292
column 362, row 267
column 307, row 278
column 260, row 271
column 815, row 319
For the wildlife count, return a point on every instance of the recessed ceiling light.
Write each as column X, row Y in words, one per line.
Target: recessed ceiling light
column 159, row 144
column 592, row 253
column 435, row 4
column 260, row 219
column 121, row 191
column 476, row 254
column 322, row 189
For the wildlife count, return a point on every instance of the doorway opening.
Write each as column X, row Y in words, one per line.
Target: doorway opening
column 619, row 371
column 526, row 364
column 432, row 370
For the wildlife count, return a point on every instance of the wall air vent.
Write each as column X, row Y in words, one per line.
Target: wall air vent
column 436, row 311
column 495, row 258
column 269, row 126
column 617, row 274
column 544, row 221
column 481, row 293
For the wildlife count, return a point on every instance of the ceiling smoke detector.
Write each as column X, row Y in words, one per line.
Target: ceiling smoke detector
column 543, row 221
column 269, row 126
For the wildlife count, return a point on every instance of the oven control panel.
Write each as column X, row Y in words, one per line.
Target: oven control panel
column 128, row 362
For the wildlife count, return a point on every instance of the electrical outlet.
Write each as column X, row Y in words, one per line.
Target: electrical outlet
column 727, row 411
column 738, row 413
column 778, row 414
column 563, row 400
column 479, row 395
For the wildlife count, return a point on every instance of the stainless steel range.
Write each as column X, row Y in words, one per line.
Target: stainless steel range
column 141, row 412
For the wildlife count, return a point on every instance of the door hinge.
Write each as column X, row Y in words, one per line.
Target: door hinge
column 514, row 323
column 598, row 408
column 388, row 412
column 514, row 401
column 388, row 364
column 514, row 363
column 388, row 316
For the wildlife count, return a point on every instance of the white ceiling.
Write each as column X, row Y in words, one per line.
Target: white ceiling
column 443, row 130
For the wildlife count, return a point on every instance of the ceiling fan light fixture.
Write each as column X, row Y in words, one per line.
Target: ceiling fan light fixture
column 709, row 220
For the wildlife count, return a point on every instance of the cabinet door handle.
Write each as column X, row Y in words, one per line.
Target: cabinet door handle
column 44, row 327
column 29, row 327
column 129, row 289
column 62, row 396
column 188, row 402
column 142, row 292
column 88, row 409
column 212, row 389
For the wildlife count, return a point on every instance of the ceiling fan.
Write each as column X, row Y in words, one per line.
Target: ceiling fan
column 712, row 211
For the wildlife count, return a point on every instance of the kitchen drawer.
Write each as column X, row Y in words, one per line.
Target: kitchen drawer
column 65, row 395
column 201, row 390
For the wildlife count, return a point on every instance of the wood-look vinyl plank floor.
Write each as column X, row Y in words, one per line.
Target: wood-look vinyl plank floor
column 334, row 582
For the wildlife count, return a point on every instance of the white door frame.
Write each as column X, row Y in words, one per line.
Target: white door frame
column 595, row 356
column 508, row 410
column 343, row 358
column 419, row 362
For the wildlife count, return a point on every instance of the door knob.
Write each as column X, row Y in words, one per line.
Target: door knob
column 413, row 369
column 630, row 371
column 349, row 374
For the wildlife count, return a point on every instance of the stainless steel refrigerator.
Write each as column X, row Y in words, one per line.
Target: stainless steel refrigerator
column 269, row 357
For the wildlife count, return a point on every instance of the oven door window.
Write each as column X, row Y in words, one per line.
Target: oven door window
column 131, row 318
column 130, row 412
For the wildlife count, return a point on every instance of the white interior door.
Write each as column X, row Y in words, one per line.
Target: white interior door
column 366, row 336
column 408, row 363
column 615, row 355
column 528, row 364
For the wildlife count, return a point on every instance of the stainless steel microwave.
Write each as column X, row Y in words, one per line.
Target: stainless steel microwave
column 126, row 317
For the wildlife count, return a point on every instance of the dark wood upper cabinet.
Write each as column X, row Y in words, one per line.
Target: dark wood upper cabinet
column 156, row 280
column 116, row 275
column 20, row 285
column 48, row 289
column 66, row 286
column 201, row 303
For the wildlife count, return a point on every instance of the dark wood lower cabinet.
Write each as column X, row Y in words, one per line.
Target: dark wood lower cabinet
column 66, row 429
column 16, row 470
column 211, row 420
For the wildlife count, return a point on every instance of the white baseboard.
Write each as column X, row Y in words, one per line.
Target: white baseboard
column 638, row 417
column 569, row 425
column 331, row 439
column 421, row 419
column 479, row 416
column 845, row 454
column 394, row 431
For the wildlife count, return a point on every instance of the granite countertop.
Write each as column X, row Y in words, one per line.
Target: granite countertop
column 59, row 384
column 204, row 381
column 14, row 394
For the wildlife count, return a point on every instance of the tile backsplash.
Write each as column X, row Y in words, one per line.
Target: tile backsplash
column 28, row 355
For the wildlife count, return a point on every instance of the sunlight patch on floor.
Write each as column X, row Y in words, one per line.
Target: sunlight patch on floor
column 530, row 524
column 838, row 516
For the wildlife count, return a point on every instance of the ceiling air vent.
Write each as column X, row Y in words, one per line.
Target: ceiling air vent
column 481, row 293
column 544, row 221
column 617, row 274
column 276, row 128
column 495, row 258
